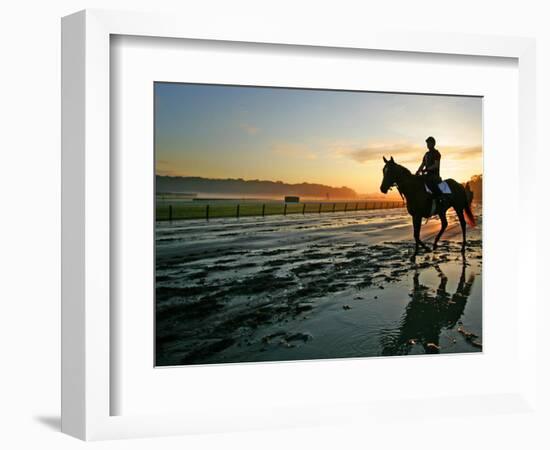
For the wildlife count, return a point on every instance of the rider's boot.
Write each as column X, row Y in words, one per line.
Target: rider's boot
column 440, row 203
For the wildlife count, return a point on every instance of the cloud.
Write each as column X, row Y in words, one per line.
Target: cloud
column 404, row 153
column 295, row 151
column 249, row 129
column 166, row 168
column 464, row 152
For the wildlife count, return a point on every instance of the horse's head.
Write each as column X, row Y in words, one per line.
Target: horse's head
column 390, row 172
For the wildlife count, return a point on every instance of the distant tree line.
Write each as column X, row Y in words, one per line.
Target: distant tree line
column 476, row 186
column 231, row 186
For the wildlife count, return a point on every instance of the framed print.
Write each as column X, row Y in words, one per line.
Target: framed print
column 251, row 219
column 250, row 268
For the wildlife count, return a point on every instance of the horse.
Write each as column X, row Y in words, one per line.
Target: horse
column 419, row 202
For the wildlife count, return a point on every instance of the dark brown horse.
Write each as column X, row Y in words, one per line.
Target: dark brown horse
column 419, row 202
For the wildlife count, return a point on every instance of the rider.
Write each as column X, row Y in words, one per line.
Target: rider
column 429, row 169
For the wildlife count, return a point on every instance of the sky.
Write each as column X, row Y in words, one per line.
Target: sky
column 337, row 138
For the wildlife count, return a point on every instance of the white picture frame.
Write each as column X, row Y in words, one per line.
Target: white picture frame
column 86, row 215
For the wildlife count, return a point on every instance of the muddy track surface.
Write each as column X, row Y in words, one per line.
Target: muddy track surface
column 291, row 288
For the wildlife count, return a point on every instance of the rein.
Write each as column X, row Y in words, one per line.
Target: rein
column 398, row 189
column 400, row 193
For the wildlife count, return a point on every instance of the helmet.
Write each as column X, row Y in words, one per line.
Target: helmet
column 430, row 140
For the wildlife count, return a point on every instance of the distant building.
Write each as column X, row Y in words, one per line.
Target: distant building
column 292, row 199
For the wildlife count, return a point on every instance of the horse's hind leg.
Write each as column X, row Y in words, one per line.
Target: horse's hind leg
column 460, row 214
column 444, row 223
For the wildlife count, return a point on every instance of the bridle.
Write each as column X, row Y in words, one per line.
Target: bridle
column 394, row 184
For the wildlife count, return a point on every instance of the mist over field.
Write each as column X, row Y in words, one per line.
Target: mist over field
column 258, row 188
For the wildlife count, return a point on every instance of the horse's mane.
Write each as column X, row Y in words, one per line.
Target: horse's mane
column 403, row 169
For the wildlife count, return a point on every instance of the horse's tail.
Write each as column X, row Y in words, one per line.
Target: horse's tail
column 470, row 218
column 468, row 215
column 468, row 196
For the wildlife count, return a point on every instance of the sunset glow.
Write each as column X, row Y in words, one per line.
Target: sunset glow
column 337, row 138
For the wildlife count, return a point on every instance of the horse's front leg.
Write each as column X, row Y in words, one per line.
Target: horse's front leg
column 417, row 223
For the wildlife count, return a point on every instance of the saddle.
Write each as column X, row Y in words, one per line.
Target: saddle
column 443, row 186
column 445, row 189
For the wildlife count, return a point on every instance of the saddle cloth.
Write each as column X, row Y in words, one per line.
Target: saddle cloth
column 443, row 186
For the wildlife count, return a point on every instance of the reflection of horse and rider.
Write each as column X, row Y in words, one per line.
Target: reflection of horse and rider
column 427, row 315
column 424, row 203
